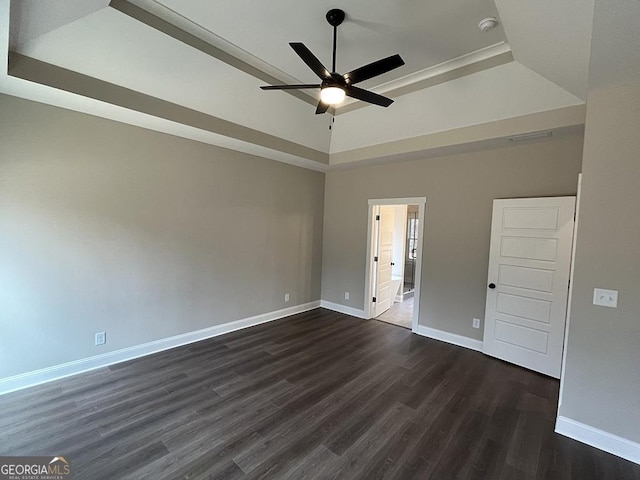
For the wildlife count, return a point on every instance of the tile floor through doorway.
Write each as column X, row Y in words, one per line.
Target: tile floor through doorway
column 400, row 314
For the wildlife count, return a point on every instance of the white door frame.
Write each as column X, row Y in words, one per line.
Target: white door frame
column 368, row 288
column 570, row 296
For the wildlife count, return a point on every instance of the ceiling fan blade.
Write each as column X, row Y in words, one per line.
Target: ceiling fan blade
column 289, row 87
column 374, row 69
column 322, row 107
column 311, row 60
column 367, row 96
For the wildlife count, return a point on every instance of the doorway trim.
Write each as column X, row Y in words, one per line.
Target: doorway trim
column 374, row 202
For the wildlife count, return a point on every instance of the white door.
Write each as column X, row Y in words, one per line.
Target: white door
column 383, row 263
column 528, row 284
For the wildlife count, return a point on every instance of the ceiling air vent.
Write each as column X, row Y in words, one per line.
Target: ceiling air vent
column 530, row 136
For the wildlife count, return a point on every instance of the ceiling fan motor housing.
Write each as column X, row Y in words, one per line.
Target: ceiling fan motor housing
column 335, row 17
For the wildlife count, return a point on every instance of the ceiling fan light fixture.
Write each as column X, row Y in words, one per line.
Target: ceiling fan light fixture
column 332, row 95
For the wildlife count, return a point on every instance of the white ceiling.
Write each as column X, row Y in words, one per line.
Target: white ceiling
column 551, row 37
column 615, row 57
column 424, row 33
column 436, row 38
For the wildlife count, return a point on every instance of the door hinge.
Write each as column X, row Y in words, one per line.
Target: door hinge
column 375, row 259
column 374, row 299
column 377, row 218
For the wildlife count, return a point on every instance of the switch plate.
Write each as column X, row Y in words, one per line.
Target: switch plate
column 476, row 323
column 346, row 295
column 286, row 297
column 605, row 298
column 101, row 338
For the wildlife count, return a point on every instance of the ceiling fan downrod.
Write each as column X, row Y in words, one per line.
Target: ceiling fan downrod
column 335, row 17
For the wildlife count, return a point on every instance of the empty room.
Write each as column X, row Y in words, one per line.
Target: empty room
column 293, row 240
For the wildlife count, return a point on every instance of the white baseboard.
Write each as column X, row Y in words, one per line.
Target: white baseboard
column 621, row 447
column 449, row 337
column 336, row 307
column 37, row 377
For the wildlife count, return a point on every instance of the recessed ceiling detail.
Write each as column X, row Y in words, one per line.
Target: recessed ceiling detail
column 193, row 67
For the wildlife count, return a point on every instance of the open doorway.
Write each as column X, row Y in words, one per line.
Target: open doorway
column 394, row 258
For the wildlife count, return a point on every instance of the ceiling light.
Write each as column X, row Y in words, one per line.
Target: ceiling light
column 488, row 24
column 332, row 95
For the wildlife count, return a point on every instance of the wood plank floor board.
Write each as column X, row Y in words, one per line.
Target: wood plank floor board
column 368, row 448
column 318, row 395
column 306, row 431
column 389, row 458
column 116, row 465
column 360, row 421
column 313, row 466
column 458, row 456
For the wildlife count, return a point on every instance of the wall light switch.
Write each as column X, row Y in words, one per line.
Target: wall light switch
column 605, row 298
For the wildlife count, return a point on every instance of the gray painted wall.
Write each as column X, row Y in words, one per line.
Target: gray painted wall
column 105, row 226
column 460, row 191
column 602, row 375
column 601, row 382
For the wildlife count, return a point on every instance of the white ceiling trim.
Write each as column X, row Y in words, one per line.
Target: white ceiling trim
column 444, row 68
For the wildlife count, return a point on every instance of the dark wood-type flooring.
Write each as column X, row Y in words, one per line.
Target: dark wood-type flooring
column 315, row 395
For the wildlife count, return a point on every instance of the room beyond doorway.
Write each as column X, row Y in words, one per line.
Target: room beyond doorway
column 400, row 314
column 393, row 259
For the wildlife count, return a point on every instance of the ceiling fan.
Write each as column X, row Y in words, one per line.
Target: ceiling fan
column 334, row 87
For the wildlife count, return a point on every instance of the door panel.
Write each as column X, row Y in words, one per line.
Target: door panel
column 545, row 249
column 383, row 265
column 530, row 218
column 529, row 263
column 521, row 336
column 524, row 307
column 525, row 277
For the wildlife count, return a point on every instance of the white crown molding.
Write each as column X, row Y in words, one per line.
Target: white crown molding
column 56, row 372
column 445, row 67
column 440, row 69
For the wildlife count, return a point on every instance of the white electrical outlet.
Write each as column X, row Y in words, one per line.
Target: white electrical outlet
column 476, row 323
column 286, row 297
column 346, row 295
column 605, row 298
column 101, row 338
